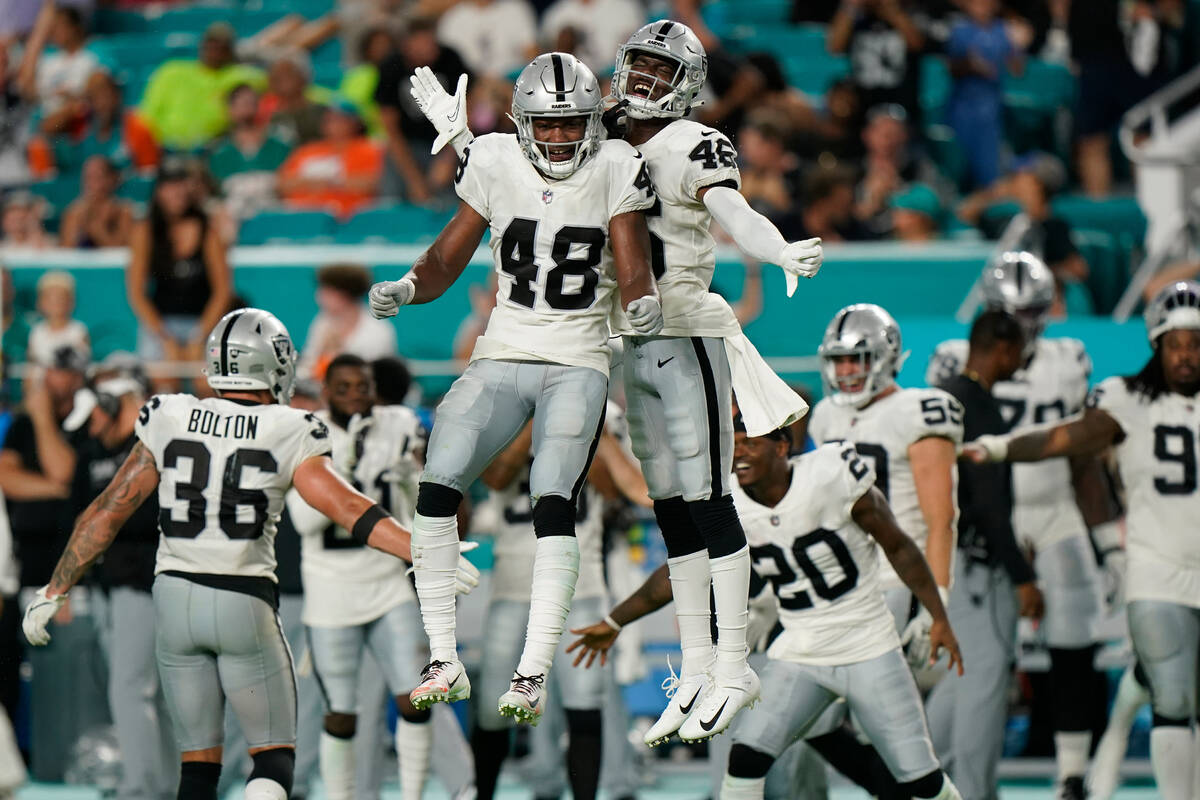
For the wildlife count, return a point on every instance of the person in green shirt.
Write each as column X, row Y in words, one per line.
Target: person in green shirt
column 184, row 103
column 359, row 82
column 244, row 160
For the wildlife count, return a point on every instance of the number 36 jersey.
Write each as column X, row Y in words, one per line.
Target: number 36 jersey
column 1157, row 460
column 882, row 433
column 551, row 249
column 224, row 467
column 823, row 567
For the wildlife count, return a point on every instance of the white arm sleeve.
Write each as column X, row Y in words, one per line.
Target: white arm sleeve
column 754, row 234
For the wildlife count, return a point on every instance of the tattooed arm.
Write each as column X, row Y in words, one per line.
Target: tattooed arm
column 98, row 525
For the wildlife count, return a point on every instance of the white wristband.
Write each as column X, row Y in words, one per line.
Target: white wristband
column 612, row 623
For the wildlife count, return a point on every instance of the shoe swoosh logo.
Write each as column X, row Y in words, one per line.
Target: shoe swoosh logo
column 534, row 702
column 688, row 708
column 663, row 362
column 710, row 724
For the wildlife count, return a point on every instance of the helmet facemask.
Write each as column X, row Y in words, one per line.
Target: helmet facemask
column 636, row 87
column 538, row 151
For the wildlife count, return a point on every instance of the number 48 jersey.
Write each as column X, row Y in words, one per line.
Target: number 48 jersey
column 821, row 565
column 550, row 244
column 224, row 467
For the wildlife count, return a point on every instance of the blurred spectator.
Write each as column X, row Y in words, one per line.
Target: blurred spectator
column 289, row 103
column 771, row 175
column 97, row 218
column 57, row 328
column 184, row 102
column 834, row 134
column 889, row 163
column 494, row 37
column 813, row 11
column 916, row 214
column 108, row 129
column 393, row 380
column 178, row 282
column 15, row 116
column 979, row 50
column 21, row 224
column 340, row 172
column 733, row 88
column 591, row 30
column 411, row 171
column 827, row 208
column 56, row 80
column 884, row 43
column 361, row 81
column 244, row 161
column 483, row 301
column 342, row 323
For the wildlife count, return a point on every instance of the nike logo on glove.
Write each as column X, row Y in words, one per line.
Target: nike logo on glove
column 453, row 117
column 710, row 724
column 662, row 362
column 688, row 708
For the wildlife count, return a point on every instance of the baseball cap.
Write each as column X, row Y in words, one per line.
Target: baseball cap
column 86, row 400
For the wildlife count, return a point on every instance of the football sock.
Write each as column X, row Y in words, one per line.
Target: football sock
column 1171, row 752
column 731, row 589
column 690, row 580
column 1071, row 751
column 584, row 750
column 490, row 749
column 555, row 570
column 435, row 551
column 414, row 742
column 198, row 780
column 742, row 788
column 337, row 766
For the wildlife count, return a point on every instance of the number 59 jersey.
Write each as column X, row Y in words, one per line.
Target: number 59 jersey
column 550, row 243
column 821, row 565
column 1158, row 464
column 224, row 467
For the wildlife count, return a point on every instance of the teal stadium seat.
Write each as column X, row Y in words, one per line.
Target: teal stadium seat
column 136, row 189
column 1034, row 102
column 288, row 227
column 392, row 224
column 128, row 51
column 801, row 52
column 1108, row 264
column 724, row 16
column 58, row 192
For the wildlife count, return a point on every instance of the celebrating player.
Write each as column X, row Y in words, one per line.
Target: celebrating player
column 1052, row 386
column 909, row 437
column 221, row 467
column 1151, row 418
column 568, row 232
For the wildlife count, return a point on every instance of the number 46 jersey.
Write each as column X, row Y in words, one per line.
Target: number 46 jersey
column 823, row 567
column 550, row 244
column 224, row 467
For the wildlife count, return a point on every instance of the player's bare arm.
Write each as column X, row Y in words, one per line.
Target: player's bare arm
column 325, row 490
column 1087, row 435
column 631, row 256
column 873, row 515
column 615, row 474
column 596, row 639
column 932, row 460
column 97, row 526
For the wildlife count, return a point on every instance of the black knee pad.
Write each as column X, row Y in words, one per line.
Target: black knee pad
column 1071, row 672
column 435, row 500
column 718, row 523
column 553, row 516
column 679, row 530
column 1160, row 721
column 586, row 721
column 198, row 780
column 928, row 786
column 277, row 764
column 746, row 762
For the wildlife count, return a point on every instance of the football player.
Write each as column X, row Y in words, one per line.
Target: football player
column 221, row 467
column 908, row 436
column 1151, row 419
column 569, row 239
column 355, row 599
column 1052, row 386
column 678, row 384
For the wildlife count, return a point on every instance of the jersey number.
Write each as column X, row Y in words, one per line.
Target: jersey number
column 1175, row 444
column 710, row 157
column 796, row 598
column 233, row 496
column 937, row 410
column 879, row 460
column 1013, row 411
column 517, row 259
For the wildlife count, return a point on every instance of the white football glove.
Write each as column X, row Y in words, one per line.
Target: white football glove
column 38, row 616
column 800, row 259
column 645, row 315
column 447, row 113
column 386, row 297
column 467, row 576
column 915, row 639
column 994, row 448
column 1107, row 537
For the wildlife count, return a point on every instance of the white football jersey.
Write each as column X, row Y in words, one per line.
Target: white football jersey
column 1157, row 460
column 224, row 467
column 549, row 239
column 882, row 433
column 685, row 157
column 823, row 567
column 347, row 583
column 1051, row 388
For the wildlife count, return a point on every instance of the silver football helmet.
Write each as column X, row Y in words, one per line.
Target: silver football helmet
column 1176, row 307
column 865, row 331
column 1021, row 284
column 249, row 350
column 557, row 85
column 668, row 40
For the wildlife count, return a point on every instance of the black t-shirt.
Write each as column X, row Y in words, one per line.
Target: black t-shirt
column 1095, row 31
column 883, row 67
column 129, row 561
column 392, row 90
column 40, row 528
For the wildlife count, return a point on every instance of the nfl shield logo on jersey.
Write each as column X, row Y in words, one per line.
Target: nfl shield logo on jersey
column 547, row 196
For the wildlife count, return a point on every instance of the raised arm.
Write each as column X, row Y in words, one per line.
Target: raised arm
column 1087, row 435
column 595, row 640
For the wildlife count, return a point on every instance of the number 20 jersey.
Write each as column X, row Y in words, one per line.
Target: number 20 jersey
column 882, row 432
column 224, row 468
column 1157, row 460
column 551, row 248
column 823, row 567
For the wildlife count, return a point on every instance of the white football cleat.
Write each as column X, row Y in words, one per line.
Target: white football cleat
column 684, row 696
column 718, row 708
column 441, row 682
column 524, row 699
